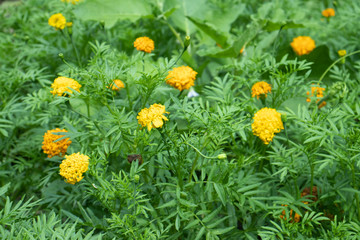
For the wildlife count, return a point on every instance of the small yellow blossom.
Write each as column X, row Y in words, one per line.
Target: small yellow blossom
column 62, row 84
column 260, row 88
column 152, row 117
column 117, row 85
column 72, row 1
column 181, row 77
column 73, row 167
column 267, row 122
column 58, row 21
column 302, row 45
column 53, row 148
column 69, row 24
column 144, row 44
column 329, row 12
column 318, row 91
column 342, row 52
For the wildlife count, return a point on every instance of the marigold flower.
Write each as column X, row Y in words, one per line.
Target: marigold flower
column 242, row 49
column 53, row 148
column 302, row 45
column 329, row 12
column 342, row 52
column 181, row 77
column 144, row 44
column 58, row 21
column 72, row 1
column 317, row 91
column 260, row 88
column 152, row 117
column 117, row 85
column 73, row 167
column 267, row 122
column 62, row 84
column 296, row 217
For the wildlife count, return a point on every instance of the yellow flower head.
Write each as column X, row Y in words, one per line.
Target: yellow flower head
column 55, row 148
column 181, row 77
column 72, row 1
column 302, row 45
column 117, row 85
column 58, row 21
column 342, row 52
column 62, row 84
column 267, row 122
column 329, row 12
column 144, row 44
column 152, row 117
column 73, row 167
column 260, row 88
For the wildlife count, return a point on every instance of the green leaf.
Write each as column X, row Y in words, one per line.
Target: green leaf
column 211, row 31
column 222, row 231
column 221, row 192
column 200, row 233
column 168, row 204
column 110, row 11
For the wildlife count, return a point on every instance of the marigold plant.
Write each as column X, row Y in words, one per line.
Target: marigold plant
column 260, row 89
column 58, row 21
column 181, row 77
column 53, row 148
column 342, row 52
column 144, row 44
column 303, row 45
column 267, row 122
column 329, row 12
column 73, row 167
column 63, row 84
column 152, row 117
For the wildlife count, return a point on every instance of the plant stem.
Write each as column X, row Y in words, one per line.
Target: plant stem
column 76, row 51
column 354, row 186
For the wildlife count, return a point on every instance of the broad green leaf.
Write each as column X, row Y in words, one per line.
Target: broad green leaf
column 110, row 11
column 210, row 30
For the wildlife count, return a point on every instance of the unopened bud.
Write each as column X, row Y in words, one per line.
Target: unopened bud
column 222, row 156
column 61, row 55
column 186, row 42
column 136, row 178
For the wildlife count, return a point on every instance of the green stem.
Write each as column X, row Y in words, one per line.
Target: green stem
column 76, row 51
column 354, row 186
column 333, row 64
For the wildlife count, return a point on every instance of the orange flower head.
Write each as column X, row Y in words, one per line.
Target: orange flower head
column 329, row 12
column 181, row 77
column 117, row 85
column 144, row 44
column 53, row 148
column 303, row 45
column 260, row 89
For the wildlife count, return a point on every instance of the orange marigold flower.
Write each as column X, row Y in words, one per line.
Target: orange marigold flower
column 73, row 167
column 302, row 45
column 58, row 21
column 242, row 49
column 117, row 85
column 144, row 44
column 267, row 122
column 62, row 84
column 181, row 77
column 295, row 216
column 342, row 52
column 152, row 117
column 260, row 88
column 316, row 91
column 329, row 12
column 322, row 104
column 53, row 148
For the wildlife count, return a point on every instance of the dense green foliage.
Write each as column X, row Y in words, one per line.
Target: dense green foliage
column 185, row 188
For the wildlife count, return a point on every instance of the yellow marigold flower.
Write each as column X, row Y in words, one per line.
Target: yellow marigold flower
column 72, row 1
column 302, row 45
column 329, row 12
column 58, row 21
column 181, row 77
column 342, row 52
column 144, row 44
column 152, row 117
column 62, row 84
column 117, row 85
column 73, row 167
column 260, row 88
column 267, row 122
column 53, row 148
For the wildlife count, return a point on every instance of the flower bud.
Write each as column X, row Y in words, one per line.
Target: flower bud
column 186, row 42
column 222, row 156
column 136, row 178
